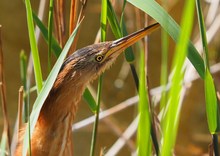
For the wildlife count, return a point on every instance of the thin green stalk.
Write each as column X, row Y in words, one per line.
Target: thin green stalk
column 103, row 38
column 135, row 76
column 202, row 32
column 23, row 73
column 215, row 143
column 103, row 20
column 36, row 61
column 27, row 106
column 50, row 30
column 144, row 126
column 95, row 127
column 90, row 100
column 34, row 49
column 28, row 118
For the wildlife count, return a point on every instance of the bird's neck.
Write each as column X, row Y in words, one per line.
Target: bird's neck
column 57, row 115
column 62, row 101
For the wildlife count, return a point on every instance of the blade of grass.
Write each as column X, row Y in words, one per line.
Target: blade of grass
column 54, row 44
column 34, row 49
column 50, row 30
column 170, row 125
column 210, row 92
column 45, row 90
column 103, row 20
column 90, row 100
column 113, row 22
column 202, row 32
column 212, row 108
column 152, row 8
column 144, row 125
column 103, row 38
column 95, row 126
column 23, row 67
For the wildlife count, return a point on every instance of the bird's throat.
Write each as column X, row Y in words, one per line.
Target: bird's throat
column 56, row 118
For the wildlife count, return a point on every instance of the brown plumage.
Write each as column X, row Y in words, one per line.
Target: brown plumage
column 52, row 134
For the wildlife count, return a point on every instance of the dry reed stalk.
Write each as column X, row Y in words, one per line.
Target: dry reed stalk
column 73, row 15
column 102, row 151
column 20, row 106
column 73, row 22
column 19, row 122
column 59, row 21
column 80, row 17
column 6, row 129
column 1, row 58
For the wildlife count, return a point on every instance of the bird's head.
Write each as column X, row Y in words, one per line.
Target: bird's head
column 89, row 62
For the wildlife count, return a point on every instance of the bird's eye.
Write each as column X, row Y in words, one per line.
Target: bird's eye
column 99, row 58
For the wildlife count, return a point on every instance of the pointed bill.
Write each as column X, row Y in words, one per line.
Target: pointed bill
column 121, row 44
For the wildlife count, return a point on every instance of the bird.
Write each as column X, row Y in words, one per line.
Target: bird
column 52, row 135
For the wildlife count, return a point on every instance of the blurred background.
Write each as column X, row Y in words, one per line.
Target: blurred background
column 193, row 136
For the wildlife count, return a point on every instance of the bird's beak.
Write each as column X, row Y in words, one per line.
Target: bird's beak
column 121, row 44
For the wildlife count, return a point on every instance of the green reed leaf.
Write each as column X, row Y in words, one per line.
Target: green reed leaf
column 152, row 8
column 144, row 126
column 34, row 49
column 54, row 44
column 171, row 121
column 50, row 30
column 212, row 108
